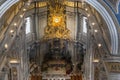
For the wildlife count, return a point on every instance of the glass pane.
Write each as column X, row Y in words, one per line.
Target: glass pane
column 84, row 25
column 27, row 25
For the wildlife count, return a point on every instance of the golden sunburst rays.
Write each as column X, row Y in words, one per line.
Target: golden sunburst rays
column 56, row 27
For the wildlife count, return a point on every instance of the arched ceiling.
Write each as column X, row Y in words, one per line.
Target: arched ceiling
column 5, row 5
column 100, row 8
column 114, row 4
column 110, row 23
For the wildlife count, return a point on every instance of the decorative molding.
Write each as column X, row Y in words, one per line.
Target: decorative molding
column 4, row 7
column 113, row 67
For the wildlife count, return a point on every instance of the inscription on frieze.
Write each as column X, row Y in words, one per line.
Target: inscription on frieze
column 113, row 66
